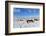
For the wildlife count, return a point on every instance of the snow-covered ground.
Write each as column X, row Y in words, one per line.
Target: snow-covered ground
column 24, row 24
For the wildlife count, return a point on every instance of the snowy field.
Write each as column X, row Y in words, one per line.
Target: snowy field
column 23, row 24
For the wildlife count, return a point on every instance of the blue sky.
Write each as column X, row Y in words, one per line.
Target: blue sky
column 26, row 12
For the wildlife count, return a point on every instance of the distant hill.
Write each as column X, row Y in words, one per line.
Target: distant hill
column 26, row 18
